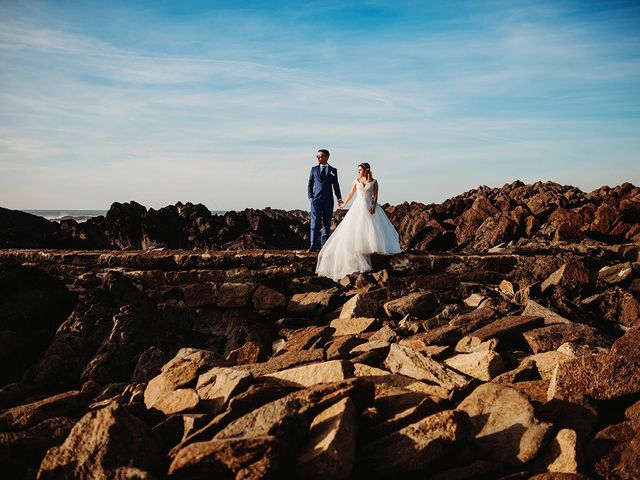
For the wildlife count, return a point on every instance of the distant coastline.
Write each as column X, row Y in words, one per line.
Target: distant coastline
column 82, row 215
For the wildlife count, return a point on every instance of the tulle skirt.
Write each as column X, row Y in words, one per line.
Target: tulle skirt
column 358, row 235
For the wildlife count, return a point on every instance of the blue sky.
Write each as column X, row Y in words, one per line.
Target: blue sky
column 225, row 103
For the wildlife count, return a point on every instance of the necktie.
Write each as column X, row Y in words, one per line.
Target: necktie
column 323, row 174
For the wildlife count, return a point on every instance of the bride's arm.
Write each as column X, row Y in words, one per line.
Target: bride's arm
column 374, row 197
column 346, row 200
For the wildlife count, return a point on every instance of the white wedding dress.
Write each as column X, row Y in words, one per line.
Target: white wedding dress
column 360, row 234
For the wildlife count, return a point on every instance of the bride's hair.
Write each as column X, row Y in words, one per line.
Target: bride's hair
column 367, row 170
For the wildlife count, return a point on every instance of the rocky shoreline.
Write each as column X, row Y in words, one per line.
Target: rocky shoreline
column 473, row 222
column 487, row 351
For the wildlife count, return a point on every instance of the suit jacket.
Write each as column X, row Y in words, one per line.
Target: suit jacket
column 321, row 189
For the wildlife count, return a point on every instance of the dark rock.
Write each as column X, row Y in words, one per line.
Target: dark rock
column 506, row 328
column 621, row 307
column 33, row 305
column 23, row 230
column 418, row 304
column 414, row 447
column 493, row 231
column 473, row 218
column 614, row 451
column 285, row 360
column 26, row 416
column 551, row 337
column 123, row 224
column 330, row 451
column 247, row 458
column 572, row 276
column 604, row 376
column 308, row 338
column 149, row 365
column 21, row 452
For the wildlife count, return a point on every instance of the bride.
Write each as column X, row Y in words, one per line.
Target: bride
column 364, row 230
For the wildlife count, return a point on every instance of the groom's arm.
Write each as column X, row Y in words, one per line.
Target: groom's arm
column 336, row 186
column 310, row 186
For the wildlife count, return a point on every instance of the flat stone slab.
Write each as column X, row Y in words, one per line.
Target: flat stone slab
column 308, row 338
column 506, row 328
column 551, row 337
column 417, row 304
column 311, row 303
column 284, row 361
column 615, row 274
column 353, row 326
column 534, row 309
column 315, row 373
column 177, row 401
column 410, row 363
column 483, row 364
column 25, row 416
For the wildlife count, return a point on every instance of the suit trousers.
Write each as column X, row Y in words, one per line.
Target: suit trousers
column 321, row 216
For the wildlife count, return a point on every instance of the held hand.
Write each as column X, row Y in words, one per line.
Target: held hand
column 340, row 204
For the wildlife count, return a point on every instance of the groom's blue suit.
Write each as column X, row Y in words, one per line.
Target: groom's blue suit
column 321, row 196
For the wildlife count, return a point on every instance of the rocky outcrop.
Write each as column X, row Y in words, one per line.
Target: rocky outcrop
column 33, row 305
column 21, row 229
column 243, row 364
column 475, row 221
column 132, row 226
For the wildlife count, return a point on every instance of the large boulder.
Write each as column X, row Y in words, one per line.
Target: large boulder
column 408, row 362
column 603, row 376
column 105, row 443
column 330, row 451
column 184, row 369
column 24, row 230
column 250, row 458
column 414, row 447
column 275, row 430
column 505, row 427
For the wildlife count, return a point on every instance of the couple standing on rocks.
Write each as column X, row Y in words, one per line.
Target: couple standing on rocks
column 364, row 230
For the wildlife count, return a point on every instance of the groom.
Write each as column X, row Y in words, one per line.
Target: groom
column 322, row 179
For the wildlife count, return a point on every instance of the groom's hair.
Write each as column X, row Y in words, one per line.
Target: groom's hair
column 325, row 151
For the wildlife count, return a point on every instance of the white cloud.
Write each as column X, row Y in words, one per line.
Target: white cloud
column 83, row 120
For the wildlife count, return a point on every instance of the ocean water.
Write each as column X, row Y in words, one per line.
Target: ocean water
column 81, row 215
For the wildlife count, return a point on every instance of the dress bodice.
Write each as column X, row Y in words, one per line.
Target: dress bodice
column 363, row 188
column 365, row 191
